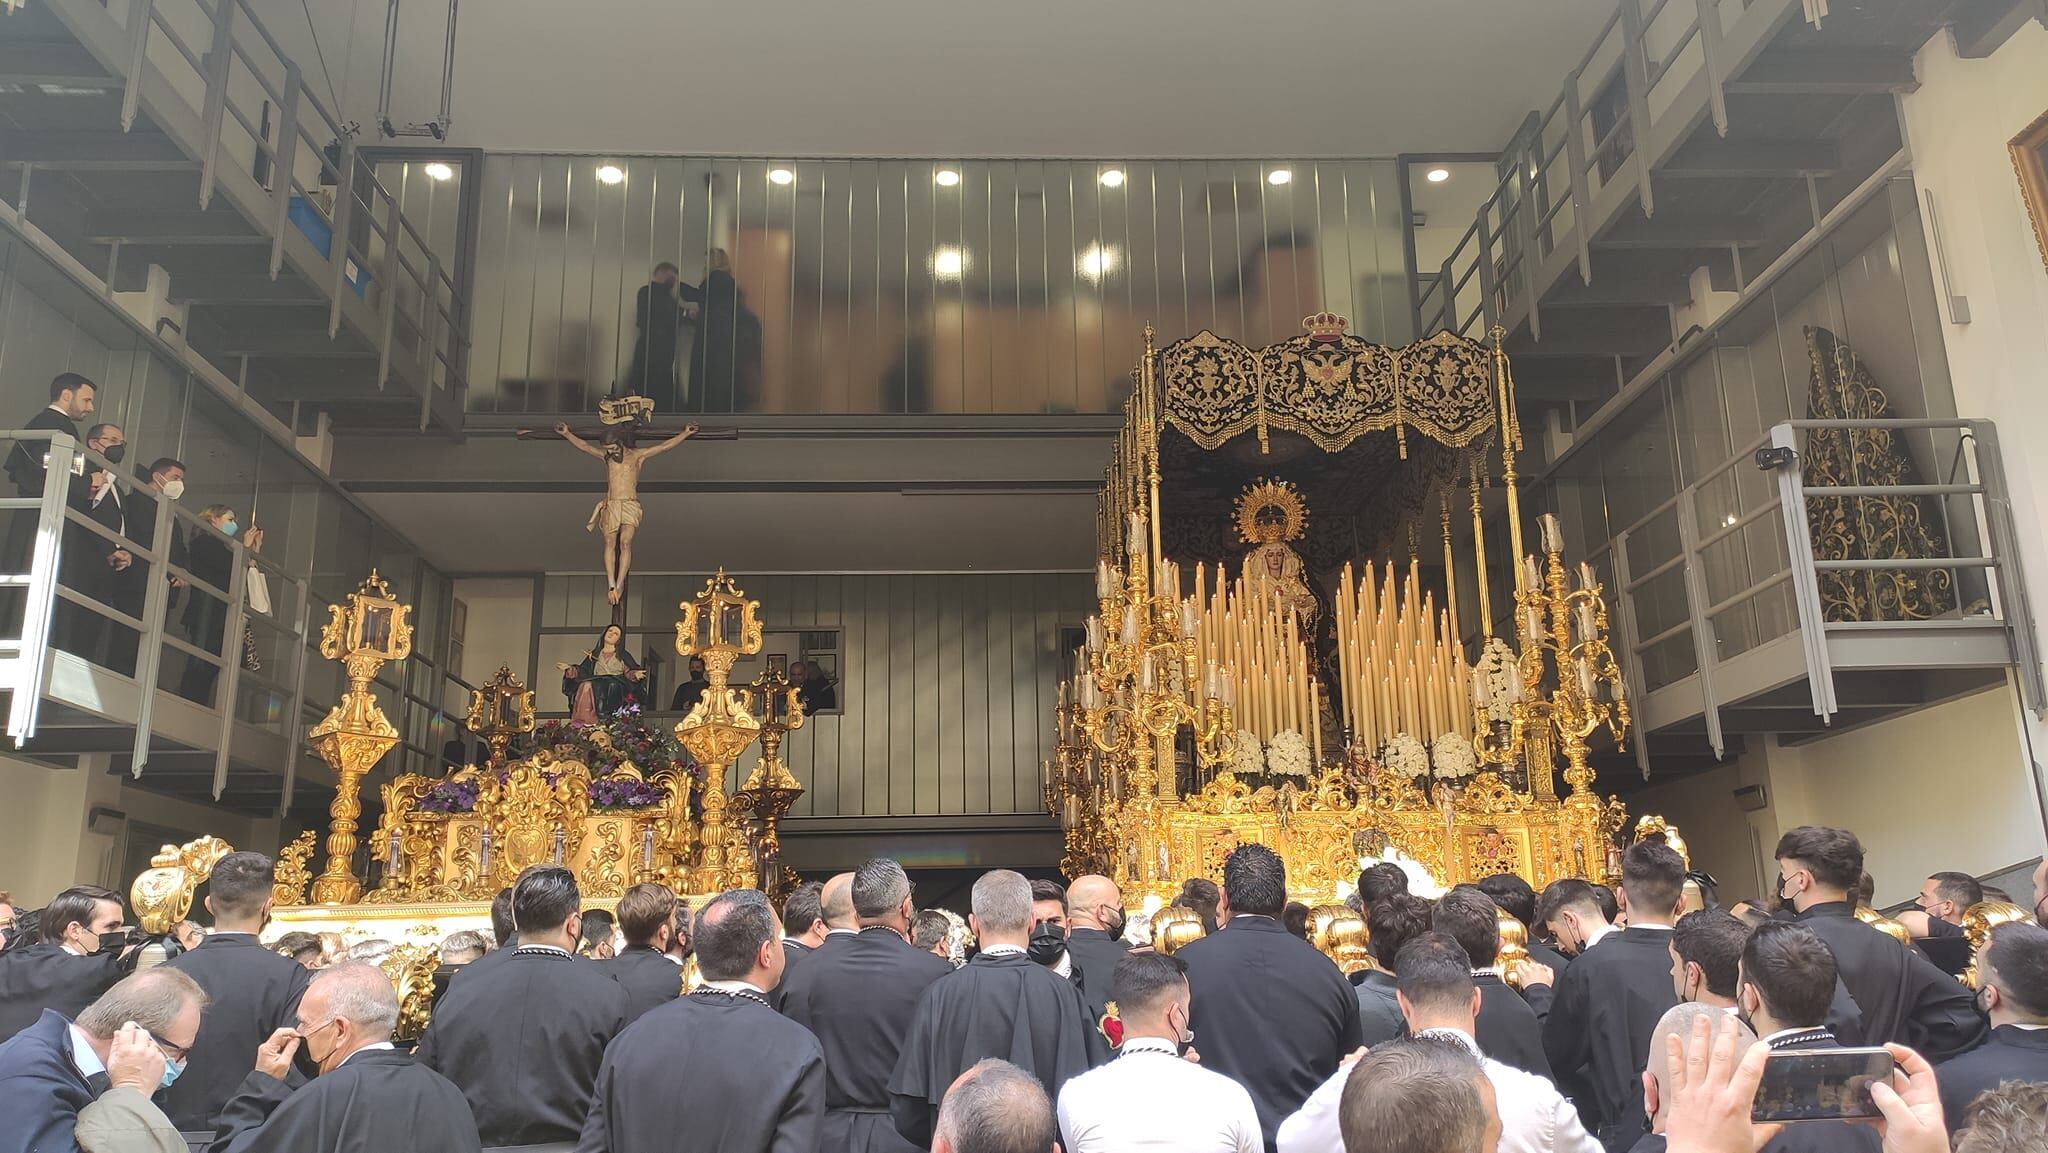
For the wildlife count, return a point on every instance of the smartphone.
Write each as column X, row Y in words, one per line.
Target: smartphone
column 1820, row 1085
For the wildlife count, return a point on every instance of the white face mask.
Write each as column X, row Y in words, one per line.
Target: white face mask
column 174, row 488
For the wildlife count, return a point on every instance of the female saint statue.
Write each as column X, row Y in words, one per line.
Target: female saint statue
column 606, row 681
column 1270, row 515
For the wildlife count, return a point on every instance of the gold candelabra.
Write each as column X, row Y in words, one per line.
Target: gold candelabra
column 501, row 709
column 370, row 630
column 1570, row 685
column 771, row 788
column 1076, row 792
column 720, row 625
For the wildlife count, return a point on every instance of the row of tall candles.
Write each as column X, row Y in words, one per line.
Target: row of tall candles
column 1259, row 645
column 1402, row 667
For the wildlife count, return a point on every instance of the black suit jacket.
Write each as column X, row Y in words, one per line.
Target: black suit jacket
column 25, row 461
column 2012, row 1054
column 41, row 1088
column 857, row 994
column 649, row 978
column 255, row 992
column 1901, row 996
column 378, row 1101
column 1599, row 1020
column 1507, row 1029
column 1269, row 1012
column 1095, row 955
column 44, row 976
column 793, row 954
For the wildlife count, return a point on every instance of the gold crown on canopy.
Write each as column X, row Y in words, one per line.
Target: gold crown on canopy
column 1325, row 326
column 1267, row 495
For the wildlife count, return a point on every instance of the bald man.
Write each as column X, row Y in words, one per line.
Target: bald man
column 1095, row 926
column 835, row 913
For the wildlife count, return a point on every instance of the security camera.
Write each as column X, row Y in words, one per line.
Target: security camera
column 1776, row 457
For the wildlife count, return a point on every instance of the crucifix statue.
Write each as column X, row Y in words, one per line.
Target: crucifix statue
column 617, row 516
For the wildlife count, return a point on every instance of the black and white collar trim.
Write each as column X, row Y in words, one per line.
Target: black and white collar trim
column 735, row 994
column 1799, row 1038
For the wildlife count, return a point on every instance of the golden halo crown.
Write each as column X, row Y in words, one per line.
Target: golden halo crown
column 1325, row 326
column 1264, row 494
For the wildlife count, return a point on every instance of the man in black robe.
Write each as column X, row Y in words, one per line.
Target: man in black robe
column 255, row 991
column 658, row 311
column 1000, row 1004
column 1507, row 1029
column 857, row 994
column 1518, row 900
column 1787, row 983
column 1395, row 920
column 92, row 565
column 1095, row 927
column 367, row 1098
column 1605, row 1009
column 1936, row 920
column 1270, row 1012
column 1901, row 996
column 523, row 1039
column 691, row 691
column 647, row 916
column 504, row 929
column 718, row 1071
column 2012, row 985
column 79, row 957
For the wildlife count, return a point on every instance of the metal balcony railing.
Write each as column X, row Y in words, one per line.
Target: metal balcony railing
column 1730, row 564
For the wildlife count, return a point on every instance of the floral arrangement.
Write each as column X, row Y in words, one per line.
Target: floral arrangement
column 1421, row 882
column 1248, row 758
column 605, row 747
column 1287, row 754
column 1406, row 757
column 451, row 796
column 1453, row 757
column 623, row 794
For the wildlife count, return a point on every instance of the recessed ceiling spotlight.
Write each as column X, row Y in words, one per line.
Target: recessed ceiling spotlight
column 611, row 174
column 1112, row 178
column 945, row 178
column 1280, row 176
column 438, row 171
column 1098, row 260
column 1437, row 175
column 949, row 262
column 781, row 176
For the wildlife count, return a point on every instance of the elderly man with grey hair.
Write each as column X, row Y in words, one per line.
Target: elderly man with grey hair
column 857, row 993
column 718, row 1071
column 61, row 1081
column 1001, row 1004
column 995, row 1107
column 368, row 1098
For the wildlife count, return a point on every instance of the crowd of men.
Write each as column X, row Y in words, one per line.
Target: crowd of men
column 1634, row 1026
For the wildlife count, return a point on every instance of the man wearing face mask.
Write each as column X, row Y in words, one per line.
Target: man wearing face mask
column 130, row 1043
column 1048, row 942
column 255, row 992
column 1095, row 926
column 368, row 1098
column 1210, row 1113
column 2012, row 988
column 92, row 564
column 80, row 956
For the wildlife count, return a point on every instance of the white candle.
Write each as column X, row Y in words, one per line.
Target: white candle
column 1532, row 574
column 1137, row 540
column 1095, row 634
column 1105, row 580
column 1588, row 579
column 1479, row 696
column 1553, row 532
column 1091, row 695
column 1190, row 617
column 1148, row 673
column 1130, row 629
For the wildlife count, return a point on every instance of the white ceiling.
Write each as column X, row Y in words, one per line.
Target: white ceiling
column 1094, row 78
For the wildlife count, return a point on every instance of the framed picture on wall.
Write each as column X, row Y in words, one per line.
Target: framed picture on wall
column 2030, row 160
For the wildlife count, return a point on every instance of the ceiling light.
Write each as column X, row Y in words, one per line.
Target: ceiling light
column 1280, row 176
column 439, row 171
column 781, row 176
column 1098, row 260
column 1112, row 178
column 945, row 178
column 949, row 262
column 1437, row 175
column 611, row 174
column 1729, row 520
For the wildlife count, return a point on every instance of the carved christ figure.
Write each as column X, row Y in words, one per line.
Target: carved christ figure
column 617, row 516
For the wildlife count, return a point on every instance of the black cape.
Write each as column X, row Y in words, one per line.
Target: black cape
column 25, row 459
column 709, row 1073
column 1599, row 1020
column 794, row 953
column 1269, row 1012
column 857, row 994
column 1095, row 955
column 649, row 978
column 1507, row 1029
column 523, row 1041
column 379, row 1101
column 1901, row 996
column 45, row 976
column 2011, row 1054
column 997, row 1005
column 255, row 992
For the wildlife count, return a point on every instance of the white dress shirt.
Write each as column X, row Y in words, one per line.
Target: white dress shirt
column 1192, row 1109
column 1534, row 1116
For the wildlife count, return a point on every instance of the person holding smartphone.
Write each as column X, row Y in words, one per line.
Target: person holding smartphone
column 1786, row 983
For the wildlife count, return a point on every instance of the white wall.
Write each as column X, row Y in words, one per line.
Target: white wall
column 499, row 631
column 1958, row 124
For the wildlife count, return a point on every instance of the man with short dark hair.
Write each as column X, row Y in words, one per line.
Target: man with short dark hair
column 647, row 916
column 803, row 925
column 1210, row 1113
column 1900, row 996
column 1518, row 900
column 523, row 1039
column 2012, row 987
column 718, row 1070
column 1786, row 986
column 1572, row 912
column 1440, row 1001
column 254, row 991
column 995, row 1107
column 79, row 957
column 135, row 1039
column 1393, row 921
column 91, row 564
column 504, row 930
column 1609, row 1001
column 1203, row 896
column 1000, row 1004
column 72, row 399
column 1508, row 1030
column 1706, row 956
column 1048, row 941
column 1275, row 1014
column 1936, row 921
column 857, row 993
column 1436, row 1089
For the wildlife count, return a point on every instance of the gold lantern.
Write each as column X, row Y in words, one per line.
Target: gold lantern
column 771, row 788
column 363, row 634
column 720, row 625
column 501, row 709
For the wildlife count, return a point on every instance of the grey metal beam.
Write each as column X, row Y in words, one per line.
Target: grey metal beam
column 1712, row 157
column 215, row 227
column 1826, row 72
column 44, row 62
column 51, row 149
column 1691, row 230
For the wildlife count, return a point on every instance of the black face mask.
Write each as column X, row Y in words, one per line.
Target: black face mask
column 1114, row 926
column 1048, row 941
column 115, row 452
column 114, row 942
